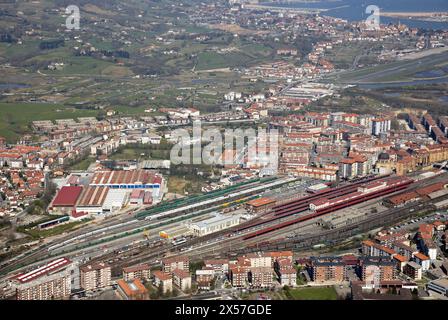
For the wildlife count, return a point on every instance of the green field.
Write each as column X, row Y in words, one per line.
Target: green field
column 16, row 117
column 213, row 60
column 36, row 233
column 313, row 293
column 84, row 164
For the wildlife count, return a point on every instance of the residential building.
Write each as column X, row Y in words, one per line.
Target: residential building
column 413, row 270
column 163, row 280
column 172, row 263
column 48, row 282
column 141, row 272
column 182, row 279
column 95, row 276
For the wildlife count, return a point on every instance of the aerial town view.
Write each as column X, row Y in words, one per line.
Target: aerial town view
column 231, row 150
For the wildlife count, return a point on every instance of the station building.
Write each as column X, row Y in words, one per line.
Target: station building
column 440, row 286
column 215, row 224
column 260, row 205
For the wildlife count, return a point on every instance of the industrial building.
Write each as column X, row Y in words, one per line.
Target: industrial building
column 92, row 200
column 65, row 199
column 115, row 200
column 215, row 224
column 132, row 179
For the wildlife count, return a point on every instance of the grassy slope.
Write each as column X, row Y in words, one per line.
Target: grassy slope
column 15, row 117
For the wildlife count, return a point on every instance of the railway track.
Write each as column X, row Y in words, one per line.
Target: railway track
column 317, row 213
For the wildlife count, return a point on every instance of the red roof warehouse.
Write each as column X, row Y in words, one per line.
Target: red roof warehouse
column 67, row 197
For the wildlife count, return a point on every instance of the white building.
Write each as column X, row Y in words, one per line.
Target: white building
column 215, row 224
column 288, row 277
column 116, row 199
column 380, row 126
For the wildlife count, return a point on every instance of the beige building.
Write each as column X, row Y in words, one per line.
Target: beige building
column 182, row 279
column 261, row 277
column 260, row 259
column 141, row 272
column 164, row 280
column 48, row 282
column 173, row 263
column 95, row 276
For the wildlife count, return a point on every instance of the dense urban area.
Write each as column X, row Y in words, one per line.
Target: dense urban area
column 92, row 207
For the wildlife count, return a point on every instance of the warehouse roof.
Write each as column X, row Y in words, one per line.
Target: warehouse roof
column 125, row 177
column 260, row 202
column 67, row 196
column 93, row 196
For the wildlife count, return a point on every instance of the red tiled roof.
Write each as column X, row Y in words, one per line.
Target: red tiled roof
column 421, row 256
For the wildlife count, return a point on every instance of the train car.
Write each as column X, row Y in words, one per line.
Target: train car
column 393, row 185
column 177, row 242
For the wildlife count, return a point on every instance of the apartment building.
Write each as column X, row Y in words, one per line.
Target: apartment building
column 378, row 269
column 413, row 270
column 163, row 280
column 261, row 277
column 259, row 259
column 173, row 263
column 141, row 272
column 132, row 290
column 182, row 279
column 238, row 275
column 220, row 266
column 324, row 270
column 51, row 281
column 95, row 276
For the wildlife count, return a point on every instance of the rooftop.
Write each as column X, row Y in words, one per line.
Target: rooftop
column 52, row 266
column 67, row 196
column 260, row 202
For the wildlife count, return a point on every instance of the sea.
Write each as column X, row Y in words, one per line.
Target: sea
column 355, row 10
